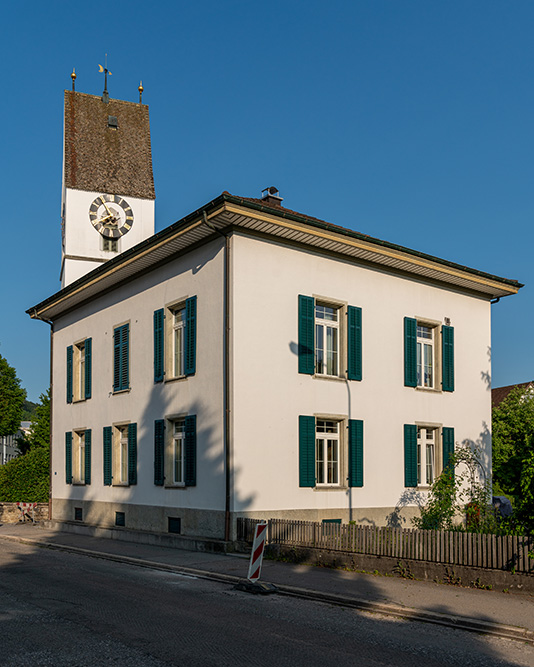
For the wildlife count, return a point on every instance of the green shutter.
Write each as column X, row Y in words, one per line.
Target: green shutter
column 306, row 451
column 68, row 457
column 191, row 450
column 410, row 352
column 190, row 361
column 447, row 354
column 410, row 455
column 158, row 345
column 107, row 456
column 306, row 335
column 88, row 374
column 121, row 349
column 448, row 446
column 132, row 453
column 159, row 448
column 88, row 456
column 355, row 452
column 354, row 343
column 69, row 373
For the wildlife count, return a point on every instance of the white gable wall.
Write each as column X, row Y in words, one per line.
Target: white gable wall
column 270, row 394
column 198, row 273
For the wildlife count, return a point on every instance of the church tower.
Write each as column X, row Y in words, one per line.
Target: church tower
column 108, row 186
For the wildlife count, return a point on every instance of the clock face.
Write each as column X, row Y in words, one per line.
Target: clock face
column 111, row 215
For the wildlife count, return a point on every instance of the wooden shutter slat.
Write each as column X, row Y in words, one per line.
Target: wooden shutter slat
column 448, row 446
column 88, row 367
column 410, row 455
column 159, row 448
column 410, row 352
column 70, row 354
column 107, row 455
column 190, row 336
column 132, row 453
column 87, row 456
column 447, row 354
column 191, row 450
column 354, row 343
column 306, row 333
column 355, row 452
column 306, row 451
column 158, row 345
column 68, row 457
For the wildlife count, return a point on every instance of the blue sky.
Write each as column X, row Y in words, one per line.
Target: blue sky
column 410, row 121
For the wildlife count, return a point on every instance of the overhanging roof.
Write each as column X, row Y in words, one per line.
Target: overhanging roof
column 253, row 215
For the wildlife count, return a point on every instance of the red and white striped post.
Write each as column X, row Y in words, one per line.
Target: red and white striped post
column 258, row 547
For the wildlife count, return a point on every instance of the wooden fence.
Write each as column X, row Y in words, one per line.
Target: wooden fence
column 500, row 552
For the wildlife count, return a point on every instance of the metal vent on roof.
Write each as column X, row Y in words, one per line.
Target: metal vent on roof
column 113, row 122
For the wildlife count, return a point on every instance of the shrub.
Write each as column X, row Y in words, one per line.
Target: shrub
column 26, row 478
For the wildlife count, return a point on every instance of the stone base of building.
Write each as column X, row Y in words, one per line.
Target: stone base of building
column 148, row 518
column 211, row 523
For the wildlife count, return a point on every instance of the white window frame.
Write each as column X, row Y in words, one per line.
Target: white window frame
column 119, row 454
column 171, row 437
column 78, row 456
column 171, row 329
column 330, row 463
column 433, row 354
column 335, row 327
column 78, row 371
column 428, row 470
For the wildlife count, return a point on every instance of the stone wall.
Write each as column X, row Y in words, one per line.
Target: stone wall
column 10, row 513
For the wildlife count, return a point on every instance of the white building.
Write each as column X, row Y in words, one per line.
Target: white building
column 253, row 361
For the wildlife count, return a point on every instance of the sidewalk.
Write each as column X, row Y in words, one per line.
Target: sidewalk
column 492, row 612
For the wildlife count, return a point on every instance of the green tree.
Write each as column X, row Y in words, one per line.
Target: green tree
column 12, row 397
column 39, row 435
column 26, row 478
column 513, row 453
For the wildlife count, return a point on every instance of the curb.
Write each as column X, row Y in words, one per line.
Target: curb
column 388, row 609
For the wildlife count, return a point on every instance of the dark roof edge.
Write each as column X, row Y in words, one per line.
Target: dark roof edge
column 314, row 222
column 277, row 212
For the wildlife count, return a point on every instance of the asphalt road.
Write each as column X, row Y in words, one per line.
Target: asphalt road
column 62, row 609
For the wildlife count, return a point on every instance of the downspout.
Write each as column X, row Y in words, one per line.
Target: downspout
column 51, row 323
column 226, row 371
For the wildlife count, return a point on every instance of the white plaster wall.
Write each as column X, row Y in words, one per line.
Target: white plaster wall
column 83, row 240
column 199, row 273
column 269, row 393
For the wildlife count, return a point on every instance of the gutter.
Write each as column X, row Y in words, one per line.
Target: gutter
column 226, row 373
column 35, row 316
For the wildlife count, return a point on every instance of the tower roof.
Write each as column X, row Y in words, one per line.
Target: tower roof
column 107, row 146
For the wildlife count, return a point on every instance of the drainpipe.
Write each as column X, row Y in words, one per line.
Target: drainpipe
column 51, row 324
column 227, row 458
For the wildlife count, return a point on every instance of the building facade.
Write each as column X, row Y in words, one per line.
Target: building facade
column 249, row 361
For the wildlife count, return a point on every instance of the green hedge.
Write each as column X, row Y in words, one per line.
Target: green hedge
column 26, row 478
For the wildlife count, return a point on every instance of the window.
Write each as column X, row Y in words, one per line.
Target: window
column 422, row 345
column 326, row 339
column 120, row 455
column 175, row 451
column 425, row 356
column 110, row 245
column 78, row 456
column 327, row 452
column 79, row 371
column 424, row 459
column 322, row 328
column 426, row 450
column 328, row 457
column 175, row 340
column 121, row 353
column 178, row 342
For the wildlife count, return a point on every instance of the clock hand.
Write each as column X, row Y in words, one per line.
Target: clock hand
column 105, row 205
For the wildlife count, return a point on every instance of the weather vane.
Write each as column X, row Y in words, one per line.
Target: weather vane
column 105, row 94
